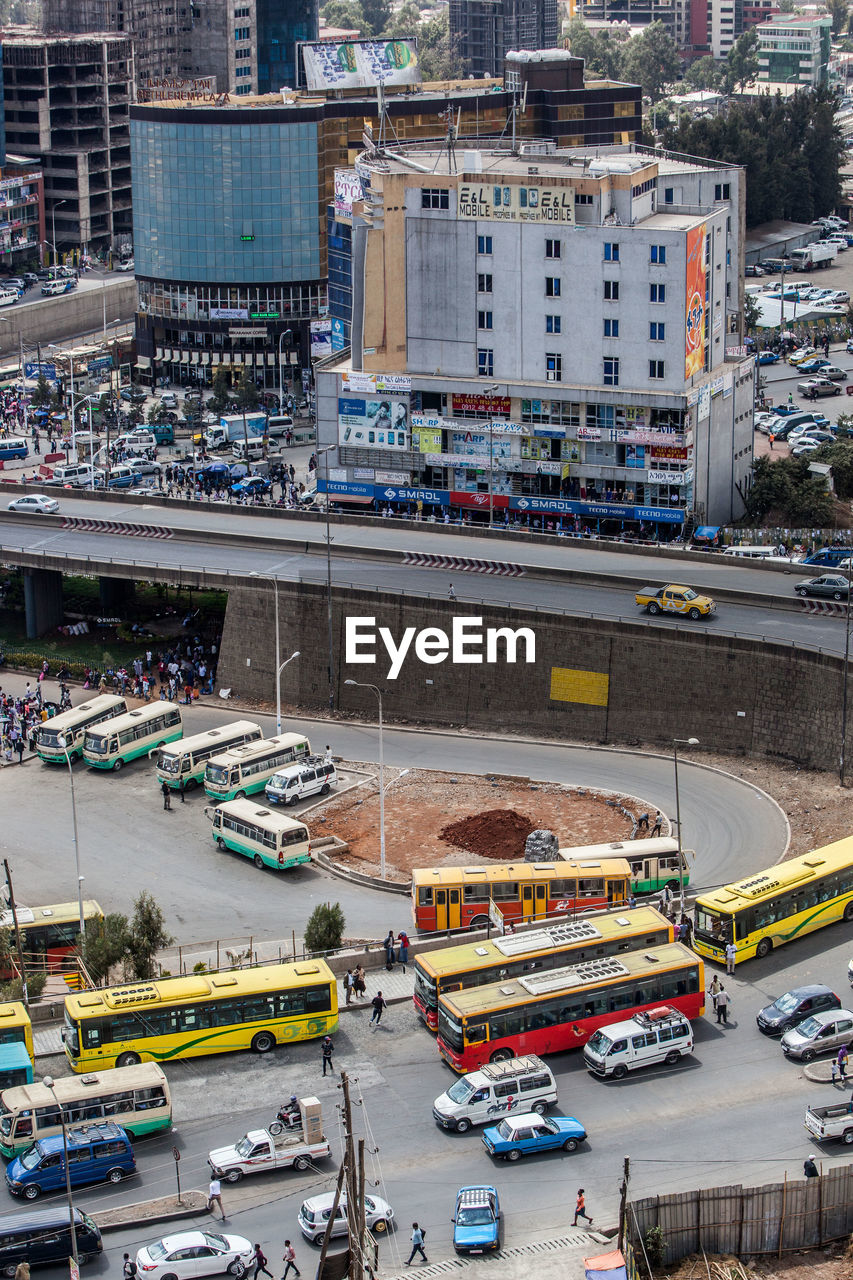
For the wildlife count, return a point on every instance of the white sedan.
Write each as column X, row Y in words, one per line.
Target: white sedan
column 36, row 503
column 195, row 1253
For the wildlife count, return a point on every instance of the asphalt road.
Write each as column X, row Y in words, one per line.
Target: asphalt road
column 128, row 844
column 223, row 552
column 730, row 1113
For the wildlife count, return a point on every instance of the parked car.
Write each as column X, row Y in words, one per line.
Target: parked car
column 835, row 372
column 787, row 410
column 36, row 503
column 767, row 357
column 800, row 1003
column 195, row 1253
column 814, row 364
column 841, row 295
column 821, row 1033
column 314, row 1214
column 531, row 1134
column 753, row 271
column 133, row 394
column 477, row 1220
column 829, row 586
column 802, row 353
column 816, row 387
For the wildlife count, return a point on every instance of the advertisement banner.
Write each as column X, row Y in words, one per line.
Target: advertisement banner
column 402, row 493
column 694, row 315
column 347, row 189
column 361, row 64
column 669, row 451
column 339, row 337
column 482, row 201
column 488, row 406
column 382, row 382
column 229, row 313
column 321, row 338
column 598, row 510
column 460, row 498
column 374, row 423
column 666, row 477
column 425, row 440
column 46, row 369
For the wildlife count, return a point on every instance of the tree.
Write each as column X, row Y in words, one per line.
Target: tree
column 785, row 492
column 602, row 54
column 219, row 399
column 751, row 313
column 325, row 928
column 105, row 945
column 651, row 60
column 347, row 14
column 41, row 395
column 146, row 935
column 838, row 11
column 405, row 22
column 377, row 14
column 704, row 74
column 438, row 51
column 742, row 62
column 247, row 392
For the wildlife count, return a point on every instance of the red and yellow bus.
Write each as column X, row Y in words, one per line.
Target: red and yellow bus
column 459, row 897
column 477, row 964
column 558, row 1010
column 49, row 935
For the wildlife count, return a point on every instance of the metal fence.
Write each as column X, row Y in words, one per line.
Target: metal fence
column 773, row 1219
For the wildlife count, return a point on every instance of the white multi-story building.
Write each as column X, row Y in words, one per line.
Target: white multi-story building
column 554, row 334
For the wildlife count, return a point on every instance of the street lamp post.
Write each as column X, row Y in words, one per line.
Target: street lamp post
column 324, row 452
column 358, row 684
column 58, row 205
column 279, row 665
column 842, row 759
column 286, row 333
column 48, row 1083
column 52, row 346
column 676, row 743
column 62, row 743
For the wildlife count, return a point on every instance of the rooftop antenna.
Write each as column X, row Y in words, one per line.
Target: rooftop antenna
column 517, row 111
column 450, row 135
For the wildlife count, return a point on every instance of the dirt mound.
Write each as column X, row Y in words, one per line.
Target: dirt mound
column 496, row 833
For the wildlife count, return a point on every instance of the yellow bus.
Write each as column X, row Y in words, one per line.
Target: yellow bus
column 15, row 1026
column 50, row 935
column 460, row 897
column 182, row 765
column 137, row 1098
column 202, row 1013
column 72, row 725
column 775, row 906
column 127, row 737
column 476, row 964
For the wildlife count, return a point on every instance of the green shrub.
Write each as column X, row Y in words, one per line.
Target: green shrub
column 655, row 1246
column 325, row 927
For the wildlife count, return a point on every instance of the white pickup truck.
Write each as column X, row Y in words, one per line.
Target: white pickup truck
column 259, row 1150
column 834, row 1121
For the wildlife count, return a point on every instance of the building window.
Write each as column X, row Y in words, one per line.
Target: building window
column 485, row 363
column 657, row 332
column 552, row 248
column 552, row 286
column 484, row 282
column 582, row 198
column 722, row 191
column 553, row 367
column 484, row 244
column 657, row 293
column 656, row 369
column 669, row 195
column 611, row 290
column 484, row 319
column 611, row 328
column 242, row 71
column 611, row 372
column 611, row 252
column 658, row 254
column 242, row 33
column 553, row 324
column 435, row 198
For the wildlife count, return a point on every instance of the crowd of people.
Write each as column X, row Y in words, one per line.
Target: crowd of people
column 180, row 673
column 21, row 717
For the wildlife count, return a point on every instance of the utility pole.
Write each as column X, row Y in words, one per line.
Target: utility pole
column 327, row 1235
column 623, row 1203
column 16, row 927
column 355, row 1191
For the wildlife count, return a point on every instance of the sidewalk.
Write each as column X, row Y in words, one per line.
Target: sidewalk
column 558, row 1259
column 396, row 987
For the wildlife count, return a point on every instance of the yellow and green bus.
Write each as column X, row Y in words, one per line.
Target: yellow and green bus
column 202, row 1013
column 182, row 767
column 269, row 838
column 233, row 775
column 112, row 745
column 776, row 906
column 70, row 727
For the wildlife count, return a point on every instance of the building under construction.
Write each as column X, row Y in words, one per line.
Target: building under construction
column 67, row 101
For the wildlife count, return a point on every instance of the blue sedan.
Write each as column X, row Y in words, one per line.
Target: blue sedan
column 528, row 1135
column 812, row 366
column 784, row 410
column 767, row 357
column 250, row 486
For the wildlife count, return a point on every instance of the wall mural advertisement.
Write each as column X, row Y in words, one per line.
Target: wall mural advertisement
column 373, row 423
column 361, row 64
column 694, row 316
